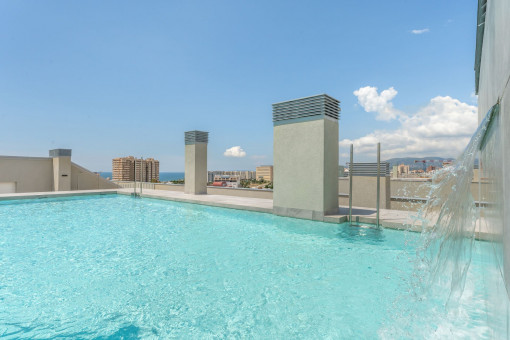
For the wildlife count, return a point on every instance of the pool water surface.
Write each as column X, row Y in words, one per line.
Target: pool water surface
column 114, row 266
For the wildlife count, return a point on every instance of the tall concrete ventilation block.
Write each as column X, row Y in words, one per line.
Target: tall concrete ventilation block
column 61, row 169
column 195, row 158
column 306, row 157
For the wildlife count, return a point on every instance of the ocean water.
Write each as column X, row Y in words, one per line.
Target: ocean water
column 163, row 176
column 113, row 266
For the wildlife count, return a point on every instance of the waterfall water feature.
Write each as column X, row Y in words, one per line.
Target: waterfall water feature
column 450, row 221
column 450, row 218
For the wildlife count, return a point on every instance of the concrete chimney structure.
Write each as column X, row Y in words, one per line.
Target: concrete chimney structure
column 195, row 159
column 306, row 157
column 61, row 169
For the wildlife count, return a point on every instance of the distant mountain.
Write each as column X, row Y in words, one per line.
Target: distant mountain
column 416, row 165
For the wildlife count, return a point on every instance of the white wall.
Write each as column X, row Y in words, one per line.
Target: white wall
column 35, row 174
column 494, row 76
column 31, row 174
column 83, row 179
column 306, row 168
column 7, row 187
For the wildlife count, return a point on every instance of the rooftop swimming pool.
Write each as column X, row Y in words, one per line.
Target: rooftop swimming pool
column 114, row 266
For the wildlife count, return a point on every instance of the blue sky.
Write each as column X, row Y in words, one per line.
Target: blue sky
column 110, row 79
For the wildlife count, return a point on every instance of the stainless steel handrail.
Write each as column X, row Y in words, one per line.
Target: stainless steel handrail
column 350, row 184
column 378, row 181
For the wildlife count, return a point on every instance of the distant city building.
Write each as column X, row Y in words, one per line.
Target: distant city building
column 123, row 169
column 394, row 171
column 403, row 169
column 431, row 168
column 265, row 172
column 131, row 169
column 230, row 181
column 247, row 174
column 243, row 174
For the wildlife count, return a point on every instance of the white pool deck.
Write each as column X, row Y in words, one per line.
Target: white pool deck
column 388, row 218
column 394, row 219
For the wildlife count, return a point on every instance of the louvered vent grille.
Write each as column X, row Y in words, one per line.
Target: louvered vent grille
column 193, row 137
column 370, row 169
column 309, row 107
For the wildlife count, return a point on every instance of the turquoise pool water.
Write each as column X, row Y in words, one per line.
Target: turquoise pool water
column 117, row 267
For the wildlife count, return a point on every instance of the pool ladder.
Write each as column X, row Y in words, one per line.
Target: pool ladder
column 378, row 190
column 135, row 194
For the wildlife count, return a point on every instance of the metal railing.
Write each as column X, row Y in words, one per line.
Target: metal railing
column 131, row 185
column 378, row 190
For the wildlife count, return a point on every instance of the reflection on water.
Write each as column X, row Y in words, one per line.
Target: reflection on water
column 353, row 233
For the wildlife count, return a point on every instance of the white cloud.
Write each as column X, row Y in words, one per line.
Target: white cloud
column 442, row 128
column 425, row 30
column 371, row 101
column 235, row 151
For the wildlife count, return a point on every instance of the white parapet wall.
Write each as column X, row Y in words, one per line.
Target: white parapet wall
column 27, row 174
column 39, row 174
column 83, row 179
column 405, row 194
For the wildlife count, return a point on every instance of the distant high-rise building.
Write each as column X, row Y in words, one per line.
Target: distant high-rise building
column 131, row 169
column 242, row 174
column 123, row 169
column 265, row 172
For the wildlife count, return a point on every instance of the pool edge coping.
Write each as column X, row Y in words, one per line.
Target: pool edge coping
column 335, row 219
column 51, row 194
column 212, row 204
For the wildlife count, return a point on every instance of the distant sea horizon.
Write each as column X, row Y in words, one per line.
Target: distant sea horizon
column 163, row 176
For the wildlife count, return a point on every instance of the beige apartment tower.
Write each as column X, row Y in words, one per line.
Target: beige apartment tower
column 123, row 169
column 265, row 172
column 306, row 157
column 131, row 169
column 195, row 162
